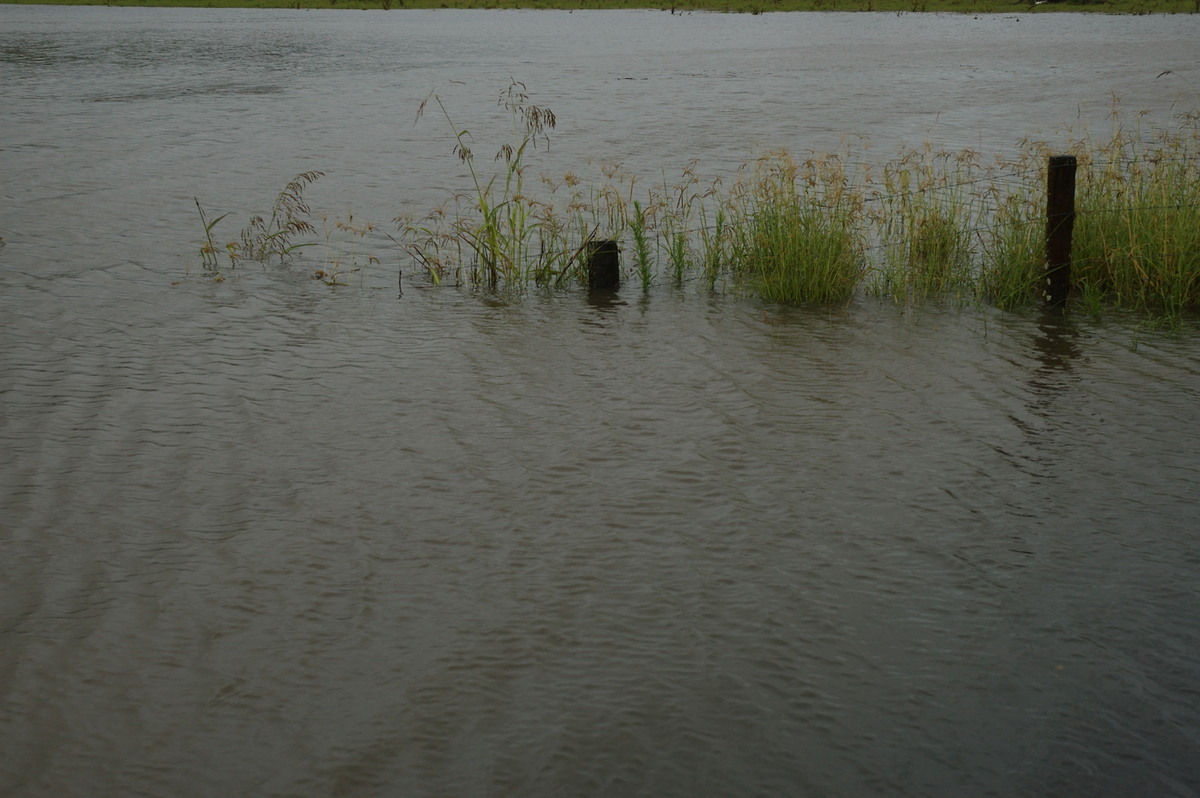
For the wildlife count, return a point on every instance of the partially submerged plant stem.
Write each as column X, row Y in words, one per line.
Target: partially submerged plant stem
column 503, row 234
column 935, row 225
column 265, row 240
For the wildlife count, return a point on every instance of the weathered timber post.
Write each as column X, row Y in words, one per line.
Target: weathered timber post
column 604, row 265
column 1060, row 222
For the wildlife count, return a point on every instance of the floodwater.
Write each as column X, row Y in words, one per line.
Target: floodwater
column 267, row 537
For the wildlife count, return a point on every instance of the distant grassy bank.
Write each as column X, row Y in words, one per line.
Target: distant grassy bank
column 724, row 6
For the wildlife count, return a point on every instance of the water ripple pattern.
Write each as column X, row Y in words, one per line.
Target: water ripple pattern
column 267, row 537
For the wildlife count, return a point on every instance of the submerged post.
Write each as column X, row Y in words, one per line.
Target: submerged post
column 604, row 265
column 1060, row 222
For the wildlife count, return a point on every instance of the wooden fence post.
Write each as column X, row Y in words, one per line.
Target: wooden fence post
column 1060, row 222
column 604, row 265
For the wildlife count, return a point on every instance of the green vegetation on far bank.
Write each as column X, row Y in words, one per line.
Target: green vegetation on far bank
column 680, row 6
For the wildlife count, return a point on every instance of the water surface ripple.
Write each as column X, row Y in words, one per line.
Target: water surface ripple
column 264, row 537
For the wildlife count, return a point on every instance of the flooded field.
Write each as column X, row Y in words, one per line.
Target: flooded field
column 267, row 537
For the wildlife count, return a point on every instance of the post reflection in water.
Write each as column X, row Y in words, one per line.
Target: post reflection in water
column 1056, row 347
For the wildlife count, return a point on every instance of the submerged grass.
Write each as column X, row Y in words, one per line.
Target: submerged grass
column 1136, row 240
column 794, row 231
column 926, row 211
column 1014, row 251
column 928, row 224
column 498, row 235
column 265, row 239
column 1137, row 235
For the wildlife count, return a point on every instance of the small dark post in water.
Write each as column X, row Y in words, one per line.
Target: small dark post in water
column 1060, row 221
column 604, row 265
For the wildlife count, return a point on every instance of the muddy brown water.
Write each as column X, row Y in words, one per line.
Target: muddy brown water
column 264, row 537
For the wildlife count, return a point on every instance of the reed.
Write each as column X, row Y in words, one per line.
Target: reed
column 925, row 211
column 678, row 206
column 210, row 253
column 927, row 225
column 794, row 231
column 1137, row 234
column 1014, row 253
column 498, row 235
column 265, row 239
column 344, row 255
column 641, row 245
column 938, row 225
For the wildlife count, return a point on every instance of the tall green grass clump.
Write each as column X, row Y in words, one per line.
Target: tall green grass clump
column 794, row 231
column 1137, row 229
column 1136, row 238
column 925, row 212
column 1012, row 271
column 678, row 203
